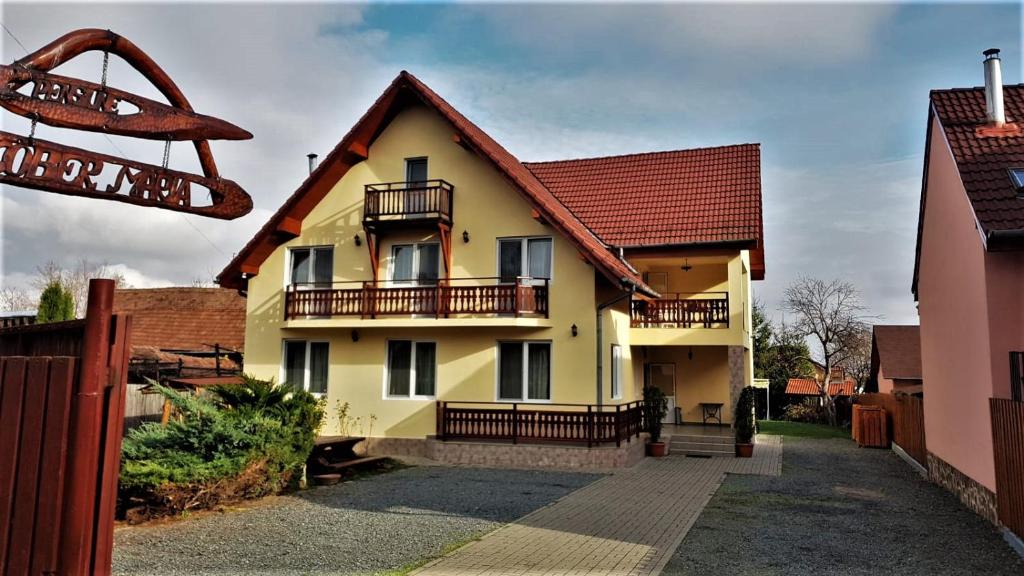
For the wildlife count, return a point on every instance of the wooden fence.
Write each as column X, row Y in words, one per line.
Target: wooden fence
column 571, row 423
column 1008, row 446
column 62, row 408
column 904, row 420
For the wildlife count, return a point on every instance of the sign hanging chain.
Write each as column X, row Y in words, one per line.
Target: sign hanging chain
column 167, row 152
column 103, row 78
column 32, row 131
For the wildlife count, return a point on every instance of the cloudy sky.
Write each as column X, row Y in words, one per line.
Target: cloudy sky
column 836, row 95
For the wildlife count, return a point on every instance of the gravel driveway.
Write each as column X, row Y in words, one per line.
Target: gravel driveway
column 365, row 526
column 839, row 509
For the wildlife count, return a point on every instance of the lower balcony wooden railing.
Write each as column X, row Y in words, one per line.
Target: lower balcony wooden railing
column 443, row 299
column 682, row 310
column 510, row 421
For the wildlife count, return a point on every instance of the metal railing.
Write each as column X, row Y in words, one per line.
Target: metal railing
column 442, row 299
column 408, row 200
column 515, row 421
column 682, row 310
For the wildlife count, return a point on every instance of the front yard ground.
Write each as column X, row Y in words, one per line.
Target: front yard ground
column 839, row 509
column 380, row 524
column 799, row 430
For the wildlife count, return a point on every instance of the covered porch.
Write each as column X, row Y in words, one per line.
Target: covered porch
column 701, row 384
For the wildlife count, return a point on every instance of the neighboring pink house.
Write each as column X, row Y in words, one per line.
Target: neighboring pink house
column 969, row 276
column 895, row 360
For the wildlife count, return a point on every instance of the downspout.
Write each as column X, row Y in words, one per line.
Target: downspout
column 600, row 336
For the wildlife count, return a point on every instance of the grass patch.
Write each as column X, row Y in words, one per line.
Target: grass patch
column 800, row 429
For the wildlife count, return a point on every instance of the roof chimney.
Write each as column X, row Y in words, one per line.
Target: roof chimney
column 994, row 88
column 312, row 157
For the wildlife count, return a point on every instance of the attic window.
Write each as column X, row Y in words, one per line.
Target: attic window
column 1017, row 175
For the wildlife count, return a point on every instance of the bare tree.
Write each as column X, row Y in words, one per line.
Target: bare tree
column 832, row 316
column 16, row 299
column 858, row 365
column 76, row 279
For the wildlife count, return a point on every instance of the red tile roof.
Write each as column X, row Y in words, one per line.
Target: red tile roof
column 704, row 195
column 982, row 161
column 809, row 387
column 183, row 318
column 551, row 205
column 897, row 350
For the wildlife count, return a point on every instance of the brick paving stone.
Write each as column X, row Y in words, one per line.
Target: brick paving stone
column 627, row 524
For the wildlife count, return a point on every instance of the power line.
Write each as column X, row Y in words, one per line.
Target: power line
column 15, row 38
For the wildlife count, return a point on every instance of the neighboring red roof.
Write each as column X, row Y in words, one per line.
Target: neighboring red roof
column 587, row 233
column 809, row 387
column 699, row 196
column 897, row 350
column 983, row 162
column 183, row 318
column 404, row 89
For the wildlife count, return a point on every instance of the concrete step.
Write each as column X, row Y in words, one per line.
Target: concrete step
column 700, row 447
column 701, row 452
column 703, row 439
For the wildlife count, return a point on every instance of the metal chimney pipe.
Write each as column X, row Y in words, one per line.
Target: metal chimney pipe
column 994, row 88
column 312, row 160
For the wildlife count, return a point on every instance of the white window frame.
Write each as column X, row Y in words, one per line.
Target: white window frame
column 526, row 371
column 617, row 372
column 524, row 268
column 415, row 262
column 412, row 370
column 409, row 161
column 312, row 264
column 306, row 364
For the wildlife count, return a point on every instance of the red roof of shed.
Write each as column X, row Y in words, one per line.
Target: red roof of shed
column 809, row 387
column 183, row 318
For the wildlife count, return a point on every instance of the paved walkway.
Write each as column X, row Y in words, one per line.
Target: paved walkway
column 626, row 524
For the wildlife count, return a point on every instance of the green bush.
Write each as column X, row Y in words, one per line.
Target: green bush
column 655, row 409
column 744, row 416
column 241, row 441
column 808, row 412
column 56, row 304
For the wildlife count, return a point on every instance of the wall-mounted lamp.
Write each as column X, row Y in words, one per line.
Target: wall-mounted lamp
column 465, row 237
column 686, row 266
column 355, row 335
column 359, row 241
column 575, row 331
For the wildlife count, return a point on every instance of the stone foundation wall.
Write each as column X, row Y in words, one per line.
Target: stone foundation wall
column 971, row 493
column 504, row 455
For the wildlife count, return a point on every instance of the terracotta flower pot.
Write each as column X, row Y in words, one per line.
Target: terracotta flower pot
column 657, row 449
column 744, row 450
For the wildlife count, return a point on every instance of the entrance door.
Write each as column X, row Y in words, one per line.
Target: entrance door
column 663, row 377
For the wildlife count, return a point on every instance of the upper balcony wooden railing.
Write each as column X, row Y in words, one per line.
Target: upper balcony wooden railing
column 440, row 299
column 682, row 310
column 531, row 422
column 392, row 202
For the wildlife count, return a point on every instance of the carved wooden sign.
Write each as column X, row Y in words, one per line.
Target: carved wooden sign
column 28, row 89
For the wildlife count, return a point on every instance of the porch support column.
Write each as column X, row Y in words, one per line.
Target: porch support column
column 737, row 376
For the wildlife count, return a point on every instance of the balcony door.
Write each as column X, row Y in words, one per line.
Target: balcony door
column 312, row 267
column 525, row 258
column 416, row 199
column 416, row 268
column 663, row 376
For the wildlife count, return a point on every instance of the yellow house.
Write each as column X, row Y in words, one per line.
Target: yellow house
column 447, row 291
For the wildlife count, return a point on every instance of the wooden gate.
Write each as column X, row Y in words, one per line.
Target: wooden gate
column 1008, row 448
column 905, row 422
column 62, row 390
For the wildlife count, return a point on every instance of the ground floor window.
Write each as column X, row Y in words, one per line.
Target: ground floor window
column 305, row 365
column 411, row 369
column 524, row 371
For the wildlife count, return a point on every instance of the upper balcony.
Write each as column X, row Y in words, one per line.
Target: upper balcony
column 682, row 310
column 452, row 298
column 403, row 203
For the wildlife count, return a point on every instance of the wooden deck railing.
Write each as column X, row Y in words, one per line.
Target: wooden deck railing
column 515, row 422
column 682, row 310
column 456, row 296
column 408, row 200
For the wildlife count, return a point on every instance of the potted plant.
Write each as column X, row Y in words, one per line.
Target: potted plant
column 745, row 423
column 655, row 408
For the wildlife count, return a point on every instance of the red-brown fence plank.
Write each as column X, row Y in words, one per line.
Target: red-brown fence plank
column 29, row 455
column 13, row 382
column 1008, row 448
column 52, row 467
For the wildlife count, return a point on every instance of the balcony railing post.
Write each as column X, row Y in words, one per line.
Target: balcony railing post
column 547, row 296
column 590, row 425
column 441, row 415
column 515, row 423
column 618, row 438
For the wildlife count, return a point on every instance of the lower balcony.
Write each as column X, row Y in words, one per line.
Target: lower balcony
column 682, row 310
column 538, row 423
column 456, row 297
